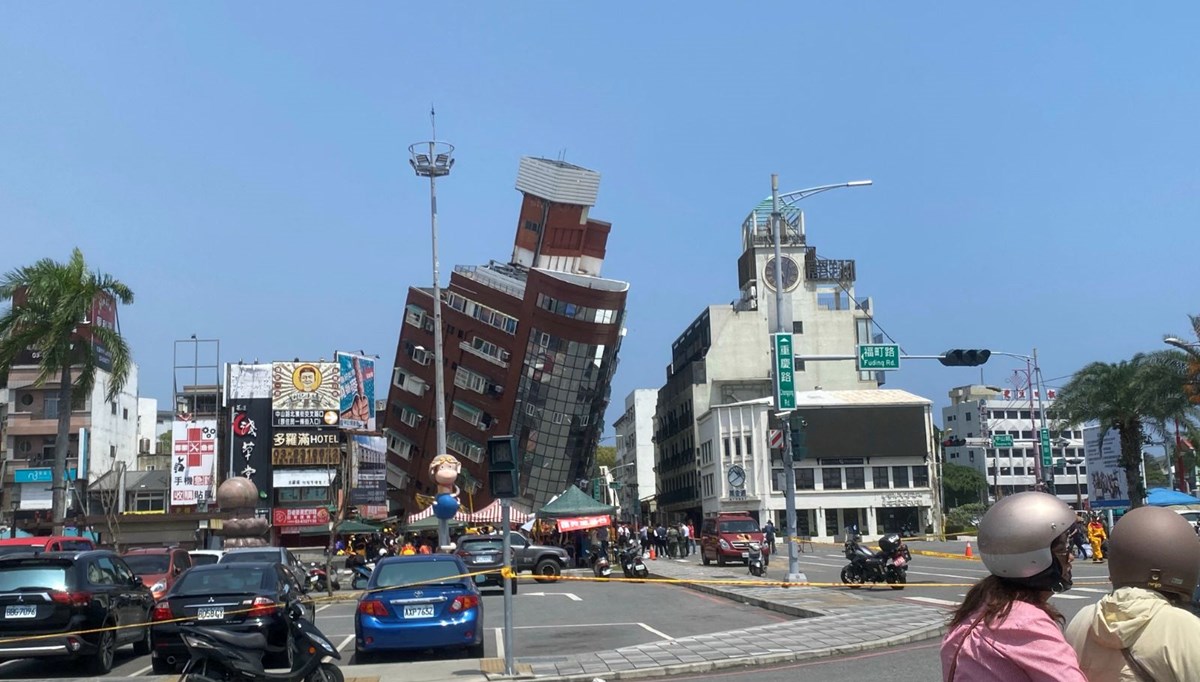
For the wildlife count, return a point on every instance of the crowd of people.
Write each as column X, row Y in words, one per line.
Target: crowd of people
column 1007, row 629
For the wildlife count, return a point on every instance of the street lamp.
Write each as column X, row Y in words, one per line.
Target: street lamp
column 432, row 159
column 789, row 472
column 1075, row 462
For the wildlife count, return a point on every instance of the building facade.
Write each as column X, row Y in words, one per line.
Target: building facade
column 978, row 414
column 724, row 356
column 869, row 463
column 635, row 456
column 530, row 348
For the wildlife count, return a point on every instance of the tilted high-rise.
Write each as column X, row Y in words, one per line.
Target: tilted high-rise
column 530, row 348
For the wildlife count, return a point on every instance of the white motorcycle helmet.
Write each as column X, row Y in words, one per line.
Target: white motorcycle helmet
column 1015, row 537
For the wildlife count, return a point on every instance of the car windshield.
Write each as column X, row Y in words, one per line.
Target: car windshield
column 148, row 564
column 204, row 559
column 17, row 549
column 224, row 581
column 741, row 526
column 488, row 545
column 245, row 557
column 416, row 573
column 15, row 578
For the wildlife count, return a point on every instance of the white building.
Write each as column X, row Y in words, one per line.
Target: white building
column 868, row 463
column 978, row 414
column 635, row 455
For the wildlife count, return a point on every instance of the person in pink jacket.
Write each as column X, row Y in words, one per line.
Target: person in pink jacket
column 1006, row 630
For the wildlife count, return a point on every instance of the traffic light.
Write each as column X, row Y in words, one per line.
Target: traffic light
column 504, row 467
column 954, row 442
column 798, row 427
column 959, row 357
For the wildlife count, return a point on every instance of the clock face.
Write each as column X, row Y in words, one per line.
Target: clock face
column 737, row 476
column 791, row 273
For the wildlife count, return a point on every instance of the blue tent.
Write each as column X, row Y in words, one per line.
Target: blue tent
column 1165, row 497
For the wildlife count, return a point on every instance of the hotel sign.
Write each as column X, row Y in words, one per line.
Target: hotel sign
column 307, row 456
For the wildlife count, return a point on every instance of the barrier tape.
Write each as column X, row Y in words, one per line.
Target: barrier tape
column 352, row 595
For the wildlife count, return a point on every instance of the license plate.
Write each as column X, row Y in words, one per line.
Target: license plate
column 745, row 555
column 20, row 612
column 899, row 561
column 211, row 613
column 418, row 612
column 486, row 559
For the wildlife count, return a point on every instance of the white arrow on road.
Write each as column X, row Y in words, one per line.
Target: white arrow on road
column 568, row 595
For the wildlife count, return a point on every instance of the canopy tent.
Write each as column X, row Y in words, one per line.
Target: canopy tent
column 431, row 523
column 353, row 526
column 491, row 514
column 1165, row 497
column 574, row 502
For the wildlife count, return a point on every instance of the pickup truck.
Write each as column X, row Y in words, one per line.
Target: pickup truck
column 541, row 560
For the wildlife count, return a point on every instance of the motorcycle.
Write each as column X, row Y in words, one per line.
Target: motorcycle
column 631, row 562
column 218, row 655
column 362, row 573
column 889, row 564
column 754, row 560
column 600, row 566
column 318, row 580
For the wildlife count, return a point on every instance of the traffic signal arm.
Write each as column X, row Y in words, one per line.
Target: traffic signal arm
column 960, row 357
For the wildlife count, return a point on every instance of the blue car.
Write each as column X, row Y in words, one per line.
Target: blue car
column 419, row 602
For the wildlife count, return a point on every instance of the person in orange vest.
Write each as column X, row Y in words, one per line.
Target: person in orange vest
column 424, row 549
column 408, row 549
column 1096, row 536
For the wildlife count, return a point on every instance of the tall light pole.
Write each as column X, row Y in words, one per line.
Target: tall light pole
column 433, row 159
column 789, row 472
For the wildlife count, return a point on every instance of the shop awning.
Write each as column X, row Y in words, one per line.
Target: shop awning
column 491, row 514
column 574, row 502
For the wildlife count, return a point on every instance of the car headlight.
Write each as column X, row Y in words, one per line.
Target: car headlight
column 723, row 544
column 158, row 586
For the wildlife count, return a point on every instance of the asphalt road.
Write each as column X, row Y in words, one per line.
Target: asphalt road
column 909, row 663
column 549, row 619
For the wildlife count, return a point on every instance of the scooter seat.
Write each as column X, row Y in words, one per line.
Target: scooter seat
column 241, row 640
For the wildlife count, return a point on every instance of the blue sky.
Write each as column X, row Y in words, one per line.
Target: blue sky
column 243, row 166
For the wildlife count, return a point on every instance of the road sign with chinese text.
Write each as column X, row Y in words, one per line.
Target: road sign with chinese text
column 878, row 356
column 1002, row 440
column 785, row 380
column 1045, row 437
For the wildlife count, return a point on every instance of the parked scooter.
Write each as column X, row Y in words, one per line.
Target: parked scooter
column 601, row 566
column 889, row 564
column 218, row 655
column 754, row 560
column 318, row 580
column 631, row 562
column 361, row 571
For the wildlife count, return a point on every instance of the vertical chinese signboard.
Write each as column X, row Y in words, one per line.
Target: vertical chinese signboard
column 369, row 493
column 356, row 384
column 785, row 380
column 249, row 403
column 193, row 462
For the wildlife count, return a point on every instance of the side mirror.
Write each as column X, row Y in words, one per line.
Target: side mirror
column 295, row 611
column 134, row 580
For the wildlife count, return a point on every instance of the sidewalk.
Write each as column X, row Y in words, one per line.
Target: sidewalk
column 829, row 622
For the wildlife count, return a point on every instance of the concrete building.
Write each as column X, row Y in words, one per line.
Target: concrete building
column 635, row 456
column 977, row 414
column 530, row 347
column 869, row 463
column 724, row 356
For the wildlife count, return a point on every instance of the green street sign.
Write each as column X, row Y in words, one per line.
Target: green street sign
column 1045, row 437
column 1002, row 440
column 615, row 485
column 785, row 380
column 878, row 356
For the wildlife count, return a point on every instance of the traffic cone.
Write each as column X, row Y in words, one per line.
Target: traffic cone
column 969, row 554
column 652, row 556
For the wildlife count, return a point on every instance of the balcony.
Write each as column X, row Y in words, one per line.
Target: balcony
column 30, row 424
column 465, row 345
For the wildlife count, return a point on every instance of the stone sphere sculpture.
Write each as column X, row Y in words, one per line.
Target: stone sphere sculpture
column 237, row 493
column 239, row 496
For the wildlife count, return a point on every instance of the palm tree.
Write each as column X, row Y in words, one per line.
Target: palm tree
column 1136, row 397
column 1192, row 383
column 51, row 305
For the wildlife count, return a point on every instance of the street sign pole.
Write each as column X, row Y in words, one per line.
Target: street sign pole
column 789, row 483
column 508, row 588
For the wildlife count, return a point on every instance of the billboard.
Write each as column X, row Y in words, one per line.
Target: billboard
column 305, row 394
column 369, row 459
column 356, row 379
column 250, row 439
column 306, row 448
column 103, row 313
column 1107, row 485
column 247, row 382
column 193, row 461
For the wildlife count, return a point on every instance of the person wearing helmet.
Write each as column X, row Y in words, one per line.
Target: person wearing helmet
column 1006, row 629
column 1137, row 632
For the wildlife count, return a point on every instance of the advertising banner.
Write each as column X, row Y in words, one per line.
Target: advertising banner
column 36, row 496
column 582, row 523
column 369, row 460
column 249, row 382
column 1107, row 485
column 356, row 378
column 303, row 478
column 305, row 394
column 193, row 462
column 250, row 438
column 299, row 516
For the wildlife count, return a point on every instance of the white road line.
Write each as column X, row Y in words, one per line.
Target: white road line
column 141, row 672
column 659, row 633
column 345, row 642
column 1070, row 596
column 322, row 608
column 933, row 600
column 499, row 642
column 1092, row 590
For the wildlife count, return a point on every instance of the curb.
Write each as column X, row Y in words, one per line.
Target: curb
column 749, row 600
column 943, row 555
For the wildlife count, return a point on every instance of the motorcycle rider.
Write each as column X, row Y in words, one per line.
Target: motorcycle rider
column 1138, row 632
column 1006, row 629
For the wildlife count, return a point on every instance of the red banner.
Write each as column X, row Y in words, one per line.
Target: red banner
column 582, row 523
column 304, row 516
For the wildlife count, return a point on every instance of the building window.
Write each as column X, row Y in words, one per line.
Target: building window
column 465, row 378
column 727, row 453
column 737, row 446
column 856, row 478
column 464, row 446
column 749, row 447
column 531, row 225
column 410, row 416
column 880, row 476
column 112, row 451
column 399, row 444
column 798, row 327
column 920, row 477
column 114, row 407
column 50, row 405
column 805, row 480
column 467, row 413
column 149, row 502
column 125, row 413
column 832, row 478
column 900, row 477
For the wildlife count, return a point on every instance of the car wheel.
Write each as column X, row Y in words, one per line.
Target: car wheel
column 160, row 666
column 142, row 646
column 720, row 559
column 548, row 568
column 101, row 662
column 475, row 651
column 704, row 558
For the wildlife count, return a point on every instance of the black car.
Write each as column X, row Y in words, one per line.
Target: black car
column 482, row 553
column 61, row 593
column 281, row 555
column 238, row 597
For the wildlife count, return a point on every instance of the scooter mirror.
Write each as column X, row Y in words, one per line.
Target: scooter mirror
column 296, row 611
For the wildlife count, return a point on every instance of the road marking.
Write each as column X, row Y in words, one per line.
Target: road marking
column 933, row 600
column 141, row 672
column 569, row 595
column 499, row 642
column 322, row 608
column 1089, row 589
column 660, row 633
column 345, row 642
column 1070, row 596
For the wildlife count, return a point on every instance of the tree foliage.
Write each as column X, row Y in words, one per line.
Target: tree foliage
column 606, row 456
column 962, row 485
